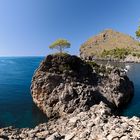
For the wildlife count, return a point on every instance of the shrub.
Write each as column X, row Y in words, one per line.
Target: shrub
column 120, row 53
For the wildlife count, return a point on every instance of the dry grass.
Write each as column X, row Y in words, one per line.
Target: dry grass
column 108, row 40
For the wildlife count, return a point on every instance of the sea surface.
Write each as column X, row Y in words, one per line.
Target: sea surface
column 16, row 105
column 133, row 108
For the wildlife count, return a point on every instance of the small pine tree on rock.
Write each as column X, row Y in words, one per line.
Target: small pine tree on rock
column 138, row 32
column 60, row 45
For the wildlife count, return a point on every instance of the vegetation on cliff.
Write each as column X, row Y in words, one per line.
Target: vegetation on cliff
column 138, row 32
column 110, row 44
column 119, row 53
column 60, row 45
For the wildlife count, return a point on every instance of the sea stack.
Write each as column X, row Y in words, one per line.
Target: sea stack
column 65, row 84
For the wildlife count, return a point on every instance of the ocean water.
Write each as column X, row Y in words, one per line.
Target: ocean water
column 133, row 108
column 16, row 105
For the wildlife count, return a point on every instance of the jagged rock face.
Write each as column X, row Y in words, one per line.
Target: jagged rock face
column 117, row 88
column 107, row 40
column 66, row 84
column 68, row 87
column 63, row 84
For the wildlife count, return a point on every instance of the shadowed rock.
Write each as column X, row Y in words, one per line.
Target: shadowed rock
column 65, row 84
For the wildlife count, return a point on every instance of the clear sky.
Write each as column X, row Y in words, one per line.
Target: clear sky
column 27, row 27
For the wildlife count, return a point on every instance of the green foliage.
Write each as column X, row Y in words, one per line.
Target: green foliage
column 60, row 45
column 136, row 55
column 119, row 53
column 93, row 64
column 102, row 69
column 138, row 32
column 63, row 54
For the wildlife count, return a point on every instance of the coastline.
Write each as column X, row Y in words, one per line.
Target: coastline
column 84, row 103
column 95, row 124
column 129, row 59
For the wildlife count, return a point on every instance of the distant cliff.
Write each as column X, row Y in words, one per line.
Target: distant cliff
column 111, row 45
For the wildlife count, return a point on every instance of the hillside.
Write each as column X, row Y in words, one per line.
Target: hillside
column 110, row 44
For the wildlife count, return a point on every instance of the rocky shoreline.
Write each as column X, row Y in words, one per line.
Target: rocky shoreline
column 94, row 124
column 128, row 59
column 80, row 101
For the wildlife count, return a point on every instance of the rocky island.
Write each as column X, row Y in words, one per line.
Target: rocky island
column 81, row 100
column 111, row 45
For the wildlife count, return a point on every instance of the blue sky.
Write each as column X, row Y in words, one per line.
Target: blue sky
column 27, row 27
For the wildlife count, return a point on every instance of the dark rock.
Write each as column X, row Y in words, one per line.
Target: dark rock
column 81, row 99
column 66, row 84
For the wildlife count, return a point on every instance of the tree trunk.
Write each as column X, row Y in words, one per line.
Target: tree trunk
column 60, row 48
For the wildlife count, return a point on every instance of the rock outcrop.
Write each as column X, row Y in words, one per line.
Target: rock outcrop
column 98, row 47
column 66, row 84
column 82, row 98
column 116, row 88
column 63, row 84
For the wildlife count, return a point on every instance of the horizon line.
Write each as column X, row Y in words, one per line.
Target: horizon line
column 23, row 56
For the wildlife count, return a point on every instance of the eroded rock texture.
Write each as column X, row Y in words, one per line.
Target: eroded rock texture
column 82, row 99
column 65, row 84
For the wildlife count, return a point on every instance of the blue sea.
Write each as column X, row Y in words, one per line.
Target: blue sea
column 16, row 105
column 133, row 107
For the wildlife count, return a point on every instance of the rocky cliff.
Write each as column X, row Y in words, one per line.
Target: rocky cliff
column 111, row 45
column 79, row 99
column 66, row 84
